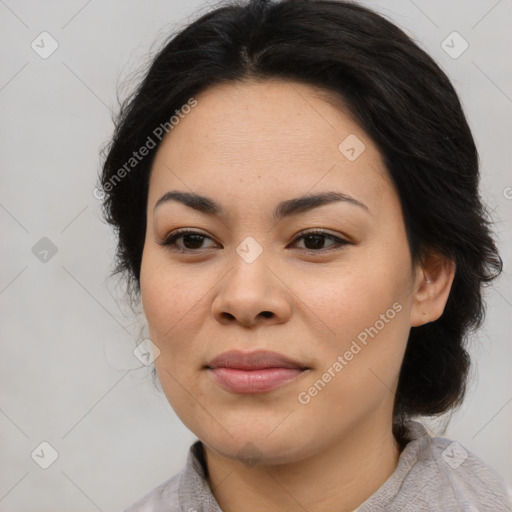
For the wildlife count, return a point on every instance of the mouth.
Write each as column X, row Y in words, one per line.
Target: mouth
column 253, row 372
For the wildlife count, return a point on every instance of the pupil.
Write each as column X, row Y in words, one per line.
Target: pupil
column 318, row 238
column 198, row 239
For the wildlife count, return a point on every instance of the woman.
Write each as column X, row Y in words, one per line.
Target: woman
column 295, row 189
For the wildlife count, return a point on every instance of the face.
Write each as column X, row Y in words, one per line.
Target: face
column 325, row 283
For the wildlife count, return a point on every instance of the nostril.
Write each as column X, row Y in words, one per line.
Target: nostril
column 266, row 313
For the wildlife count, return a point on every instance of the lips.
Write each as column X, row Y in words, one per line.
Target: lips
column 253, row 360
column 253, row 372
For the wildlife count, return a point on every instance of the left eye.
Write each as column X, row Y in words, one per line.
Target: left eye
column 195, row 239
column 316, row 239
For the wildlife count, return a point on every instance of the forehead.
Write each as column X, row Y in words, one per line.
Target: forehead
column 276, row 135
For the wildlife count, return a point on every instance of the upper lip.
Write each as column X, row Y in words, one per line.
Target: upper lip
column 253, row 360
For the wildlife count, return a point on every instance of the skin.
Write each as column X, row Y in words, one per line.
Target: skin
column 248, row 147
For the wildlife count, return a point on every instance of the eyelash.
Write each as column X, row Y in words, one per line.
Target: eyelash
column 170, row 240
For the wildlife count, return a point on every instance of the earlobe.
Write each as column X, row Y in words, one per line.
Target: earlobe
column 432, row 289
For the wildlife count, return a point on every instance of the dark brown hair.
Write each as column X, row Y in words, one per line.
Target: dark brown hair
column 402, row 100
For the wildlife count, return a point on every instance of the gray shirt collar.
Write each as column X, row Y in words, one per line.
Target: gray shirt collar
column 195, row 494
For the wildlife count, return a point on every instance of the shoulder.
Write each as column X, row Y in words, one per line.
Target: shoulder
column 461, row 476
column 436, row 473
column 163, row 498
column 447, row 476
column 187, row 491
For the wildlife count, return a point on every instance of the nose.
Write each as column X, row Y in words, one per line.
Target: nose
column 252, row 293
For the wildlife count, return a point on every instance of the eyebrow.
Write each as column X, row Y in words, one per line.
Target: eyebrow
column 284, row 209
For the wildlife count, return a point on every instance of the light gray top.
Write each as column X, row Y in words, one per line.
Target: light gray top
column 433, row 474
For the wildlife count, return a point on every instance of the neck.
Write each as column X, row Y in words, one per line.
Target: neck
column 339, row 478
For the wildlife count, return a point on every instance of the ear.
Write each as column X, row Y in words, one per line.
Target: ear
column 432, row 287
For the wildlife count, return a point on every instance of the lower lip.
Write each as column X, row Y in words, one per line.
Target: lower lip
column 254, row 381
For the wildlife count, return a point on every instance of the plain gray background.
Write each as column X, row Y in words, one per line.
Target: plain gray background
column 68, row 376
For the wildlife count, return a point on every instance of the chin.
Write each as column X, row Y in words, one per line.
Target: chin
column 254, row 446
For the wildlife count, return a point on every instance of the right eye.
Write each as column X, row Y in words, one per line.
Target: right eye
column 192, row 240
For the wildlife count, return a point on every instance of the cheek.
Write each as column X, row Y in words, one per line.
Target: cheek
column 173, row 300
column 363, row 310
column 172, row 306
column 346, row 299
